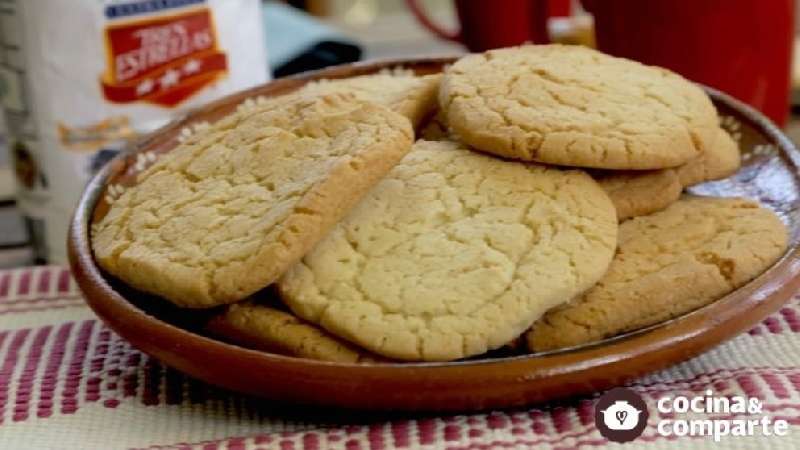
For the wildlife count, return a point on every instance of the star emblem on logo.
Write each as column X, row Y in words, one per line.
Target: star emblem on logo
column 145, row 86
column 191, row 66
column 170, row 78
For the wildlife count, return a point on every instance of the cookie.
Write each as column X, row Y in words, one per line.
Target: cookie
column 435, row 129
column 669, row 263
column 454, row 253
column 720, row 160
column 574, row 106
column 642, row 192
column 255, row 325
column 403, row 92
column 226, row 212
column 638, row 193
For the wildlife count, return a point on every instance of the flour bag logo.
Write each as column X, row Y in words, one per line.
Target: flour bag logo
column 161, row 60
column 620, row 415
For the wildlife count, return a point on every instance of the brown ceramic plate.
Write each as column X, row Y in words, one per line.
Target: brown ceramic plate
column 769, row 174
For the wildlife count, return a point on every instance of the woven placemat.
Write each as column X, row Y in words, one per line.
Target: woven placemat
column 68, row 382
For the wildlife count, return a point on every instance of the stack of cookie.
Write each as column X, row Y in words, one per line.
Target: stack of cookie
column 541, row 200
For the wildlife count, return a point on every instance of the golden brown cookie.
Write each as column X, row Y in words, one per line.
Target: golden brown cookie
column 454, row 253
column 574, row 106
column 435, row 129
column 230, row 209
column 669, row 263
column 263, row 327
column 638, row 193
column 402, row 91
column 642, row 192
column 720, row 160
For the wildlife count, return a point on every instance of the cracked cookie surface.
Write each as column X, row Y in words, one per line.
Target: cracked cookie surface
column 570, row 105
column 263, row 327
column 403, row 92
column 435, row 129
column 639, row 193
column 721, row 160
column 454, row 253
column 669, row 263
column 229, row 210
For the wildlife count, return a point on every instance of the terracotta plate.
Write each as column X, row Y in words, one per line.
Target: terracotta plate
column 769, row 174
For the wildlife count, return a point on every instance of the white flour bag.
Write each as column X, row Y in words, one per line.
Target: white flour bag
column 80, row 79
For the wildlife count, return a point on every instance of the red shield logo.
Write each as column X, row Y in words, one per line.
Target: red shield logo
column 162, row 60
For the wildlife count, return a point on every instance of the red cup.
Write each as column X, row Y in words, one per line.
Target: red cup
column 486, row 25
column 742, row 47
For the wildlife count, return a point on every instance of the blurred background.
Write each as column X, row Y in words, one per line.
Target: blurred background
column 743, row 47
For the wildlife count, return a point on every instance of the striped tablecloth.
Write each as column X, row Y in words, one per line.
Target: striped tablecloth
column 68, row 382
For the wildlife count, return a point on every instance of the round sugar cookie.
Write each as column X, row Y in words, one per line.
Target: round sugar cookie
column 230, row 209
column 720, row 160
column 454, row 253
column 263, row 327
column 574, row 106
column 638, row 193
column 435, row 129
column 401, row 91
column 668, row 263
column 642, row 192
